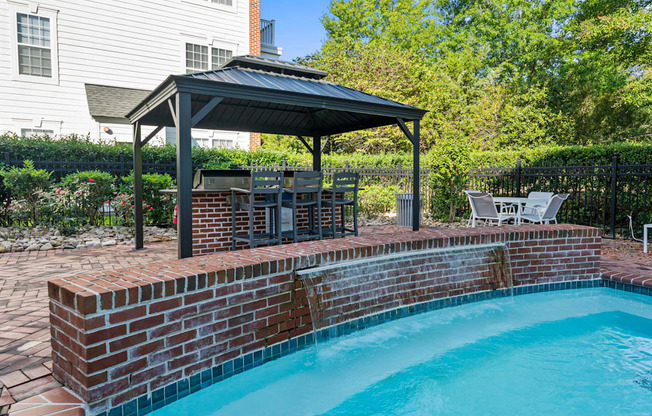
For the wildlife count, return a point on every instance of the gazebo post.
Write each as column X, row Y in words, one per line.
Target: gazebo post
column 138, row 187
column 416, row 196
column 316, row 153
column 415, row 138
column 184, row 174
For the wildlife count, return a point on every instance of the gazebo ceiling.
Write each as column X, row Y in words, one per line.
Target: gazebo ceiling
column 267, row 96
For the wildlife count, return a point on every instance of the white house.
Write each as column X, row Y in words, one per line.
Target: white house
column 78, row 66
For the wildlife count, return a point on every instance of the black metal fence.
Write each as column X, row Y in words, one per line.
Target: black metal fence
column 399, row 176
column 601, row 196
column 121, row 167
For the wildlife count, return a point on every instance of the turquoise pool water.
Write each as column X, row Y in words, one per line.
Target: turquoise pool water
column 574, row 352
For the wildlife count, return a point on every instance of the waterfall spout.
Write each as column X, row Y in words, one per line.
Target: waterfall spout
column 340, row 293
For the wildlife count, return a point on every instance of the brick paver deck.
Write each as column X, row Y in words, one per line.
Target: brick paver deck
column 24, row 315
column 25, row 354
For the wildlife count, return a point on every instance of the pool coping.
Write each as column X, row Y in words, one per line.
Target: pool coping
column 166, row 395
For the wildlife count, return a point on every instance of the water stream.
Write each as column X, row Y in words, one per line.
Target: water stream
column 382, row 286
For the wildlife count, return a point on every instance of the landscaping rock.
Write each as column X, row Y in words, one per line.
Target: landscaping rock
column 46, row 247
column 15, row 239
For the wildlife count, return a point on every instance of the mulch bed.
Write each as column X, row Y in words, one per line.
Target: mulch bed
column 628, row 251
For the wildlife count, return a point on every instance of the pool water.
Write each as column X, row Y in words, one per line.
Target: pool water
column 574, row 352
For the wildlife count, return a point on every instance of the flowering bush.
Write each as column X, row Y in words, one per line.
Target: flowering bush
column 25, row 184
column 157, row 207
column 123, row 206
column 61, row 208
column 19, row 211
column 90, row 189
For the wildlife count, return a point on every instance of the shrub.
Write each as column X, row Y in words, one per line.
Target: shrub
column 157, row 207
column 449, row 164
column 19, row 212
column 25, row 183
column 377, row 200
column 91, row 190
column 123, row 206
column 60, row 207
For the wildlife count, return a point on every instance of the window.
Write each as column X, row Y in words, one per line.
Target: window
column 201, row 142
column 33, row 30
column 226, row 5
column 34, row 45
column 223, row 143
column 197, row 58
column 220, row 56
column 36, row 132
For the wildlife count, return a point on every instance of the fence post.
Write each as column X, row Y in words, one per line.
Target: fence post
column 7, row 158
column 614, row 190
column 283, row 163
column 518, row 178
column 346, row 166
column 122, row 164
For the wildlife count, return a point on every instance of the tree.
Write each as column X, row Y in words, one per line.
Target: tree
column 501, row 73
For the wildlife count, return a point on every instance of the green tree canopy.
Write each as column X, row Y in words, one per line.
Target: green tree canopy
column 497, row 73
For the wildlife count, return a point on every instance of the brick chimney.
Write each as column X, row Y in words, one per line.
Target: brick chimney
column 254, row 49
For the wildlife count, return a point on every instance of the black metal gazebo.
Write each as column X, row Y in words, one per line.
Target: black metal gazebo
column 254, row 94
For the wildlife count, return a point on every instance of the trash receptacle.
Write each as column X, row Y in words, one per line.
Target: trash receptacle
column 404, row 209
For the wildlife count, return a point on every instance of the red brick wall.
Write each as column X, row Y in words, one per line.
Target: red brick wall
column 117, row 335
column 254, row 27
column 254, row 49
column 211, row 222
column 255, row 141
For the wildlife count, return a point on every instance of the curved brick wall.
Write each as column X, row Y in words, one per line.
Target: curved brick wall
column 126, row 334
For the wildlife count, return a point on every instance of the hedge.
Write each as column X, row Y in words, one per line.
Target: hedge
column 83, row 149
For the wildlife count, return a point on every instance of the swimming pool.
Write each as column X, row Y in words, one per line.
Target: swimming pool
column 574, row 352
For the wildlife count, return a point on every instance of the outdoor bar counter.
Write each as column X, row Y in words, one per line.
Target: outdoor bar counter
column 211, row 210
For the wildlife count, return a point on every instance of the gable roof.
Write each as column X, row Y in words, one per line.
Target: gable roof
column 267, row 96
column 106, row 102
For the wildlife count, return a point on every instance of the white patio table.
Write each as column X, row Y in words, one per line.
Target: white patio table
column 519, row 203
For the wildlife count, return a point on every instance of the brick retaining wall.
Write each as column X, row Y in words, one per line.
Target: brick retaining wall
column 118, row 335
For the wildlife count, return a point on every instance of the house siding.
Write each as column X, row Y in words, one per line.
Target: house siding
column 131, row 44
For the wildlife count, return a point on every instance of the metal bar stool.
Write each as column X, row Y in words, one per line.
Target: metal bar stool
column 267, row 184
column 306, row 193
column 343, row 193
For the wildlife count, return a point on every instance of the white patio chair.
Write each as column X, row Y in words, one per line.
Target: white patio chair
column 483, row 208
column 549, row 214
column 471, row 191
column 535, row 207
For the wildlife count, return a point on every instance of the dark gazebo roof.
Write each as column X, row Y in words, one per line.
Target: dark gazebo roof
column 250, row 93
column 268, row 96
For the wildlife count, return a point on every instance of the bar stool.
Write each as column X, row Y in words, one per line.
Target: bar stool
column 344, row 183
column 264, row 192
column 306, row 193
